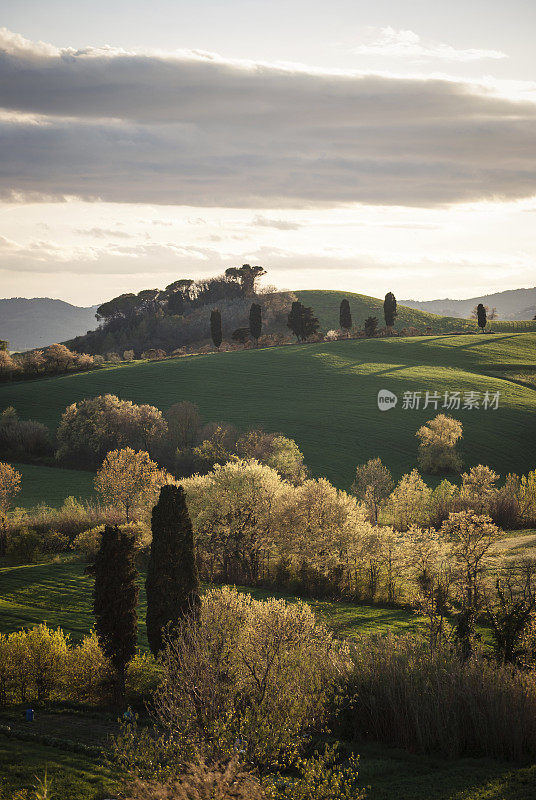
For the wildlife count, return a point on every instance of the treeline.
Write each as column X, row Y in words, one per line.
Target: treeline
column 54, row 360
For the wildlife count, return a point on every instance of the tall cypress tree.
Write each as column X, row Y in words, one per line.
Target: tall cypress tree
column 215, row 328
column 255, row 322
column 481, row 315
column 172, row 582
column 115, row 600
column 345, row 317
column 389, row 309
column 295, row 320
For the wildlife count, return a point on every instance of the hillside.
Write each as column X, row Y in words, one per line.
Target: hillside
column 325, row 396
column 513, row 304
column 40, row 321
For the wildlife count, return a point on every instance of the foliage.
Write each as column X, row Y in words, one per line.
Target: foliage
column 262, row 672
column 389, row 309
column 302, row 322
column 373, row 484
column 410, row 501
column 23, row 437
column 429, row 700
column 172, row 583
column 371, row 326
column 10, row 481
column 115, row 600
column 129, row 479
column 255, row 322
column 345, row 315
column 215, row 328
column 437, row 449
column 91, row 428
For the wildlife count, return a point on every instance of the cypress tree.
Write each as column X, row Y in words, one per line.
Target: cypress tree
column 215, row 328
column 389, row 309
column 172, row 582
column 115, row 600
column 255, row 322
column 345, row 317
column 481, row 315
column 295, row 320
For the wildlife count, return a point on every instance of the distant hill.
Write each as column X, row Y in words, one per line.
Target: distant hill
column 514, row 304
column 40, row 321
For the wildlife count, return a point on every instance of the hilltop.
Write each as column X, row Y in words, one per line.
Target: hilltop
column 512, row 304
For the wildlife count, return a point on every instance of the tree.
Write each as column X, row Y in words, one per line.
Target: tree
column 115, row 599
column 373, row 484
column 10, row 481
column 302, row 321
column 481, row 316
column 437, row 450
column 371, row 324
column 172, row 582
column 478, row 486
column 345, row 317
column 129, row 479
column 183, row 421
column 247, row 276
column 255, row 322
column 240, row 335
column 389, row 309
column 215, row 328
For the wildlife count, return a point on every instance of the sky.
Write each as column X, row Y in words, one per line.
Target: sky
column 368, row 147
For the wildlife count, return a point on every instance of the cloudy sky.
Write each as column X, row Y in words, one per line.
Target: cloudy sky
column 350, row 145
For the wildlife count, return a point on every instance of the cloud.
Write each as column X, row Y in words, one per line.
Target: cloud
column 104, row 233
column 191, row 128
column 394, row 43
column 279, row 224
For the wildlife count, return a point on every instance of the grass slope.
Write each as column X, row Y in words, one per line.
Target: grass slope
column 51, row 485
column 326, row 305
column 325, row 396
column 61, row 594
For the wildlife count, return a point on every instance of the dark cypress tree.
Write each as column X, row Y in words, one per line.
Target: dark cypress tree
column 115, row 600
column 302, row 321
column 172, row 582
column 215, row 328
column 255, row 322
column 371, row 324
column 295, row 320
column 389, row 309
column 345, row 317
column 481, row 315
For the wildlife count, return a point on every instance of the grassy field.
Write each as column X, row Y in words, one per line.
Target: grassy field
column 325, row 396
column 326, row 305
column 52, row 485
column 60, row 594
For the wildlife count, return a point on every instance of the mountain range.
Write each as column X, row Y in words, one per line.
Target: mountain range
column 515, row 304
column 27, row 323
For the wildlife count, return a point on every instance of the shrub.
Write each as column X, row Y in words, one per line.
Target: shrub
column 405, row 694
column 437, row 450
column 202, row 782
column 257, row 673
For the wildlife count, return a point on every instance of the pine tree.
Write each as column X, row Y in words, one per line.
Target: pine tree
column 371, row 324
column 389, row 309
column 255, row 322
column 172, row 583
column 215, row 328
column 115, row 600
column 345, row 317
column 302, row 321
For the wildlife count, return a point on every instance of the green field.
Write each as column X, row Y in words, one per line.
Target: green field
column 51, row 485
column 325, row 397
column 61, row 595
column 326, row 305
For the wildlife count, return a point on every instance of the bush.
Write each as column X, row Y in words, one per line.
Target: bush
column 202, row 782
column 405, row 694
column 256, row 673
column 23, row 437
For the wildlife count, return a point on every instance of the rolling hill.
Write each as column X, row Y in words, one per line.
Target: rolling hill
column 513, row 304
column 40, row 321
column 325, row 396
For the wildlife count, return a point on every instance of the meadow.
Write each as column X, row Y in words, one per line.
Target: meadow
column 324, row 396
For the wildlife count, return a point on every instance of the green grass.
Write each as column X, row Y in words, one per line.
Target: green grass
column 52, row 485
column 325, row 397
column 60, row 594
column 326, row 306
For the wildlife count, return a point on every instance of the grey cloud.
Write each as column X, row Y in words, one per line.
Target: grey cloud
column 196, row 130
column 104, row 233
column 279, row 224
